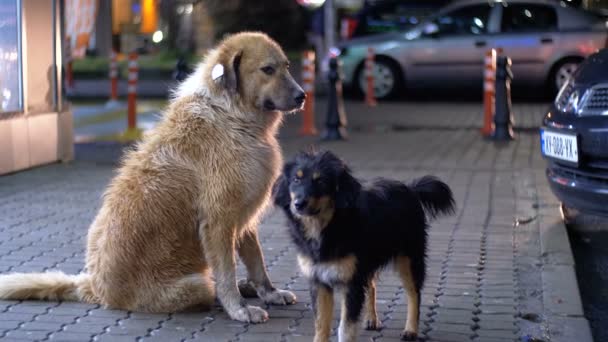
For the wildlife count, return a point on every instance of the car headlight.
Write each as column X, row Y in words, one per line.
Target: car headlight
column 572, row 102
column 568, row 98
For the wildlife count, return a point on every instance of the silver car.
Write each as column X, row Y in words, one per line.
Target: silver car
column 546, row 40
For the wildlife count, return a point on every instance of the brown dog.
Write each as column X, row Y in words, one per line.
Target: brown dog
column 189, row 196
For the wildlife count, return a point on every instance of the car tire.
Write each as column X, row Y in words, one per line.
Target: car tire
column 560, row 73
column 388, row 79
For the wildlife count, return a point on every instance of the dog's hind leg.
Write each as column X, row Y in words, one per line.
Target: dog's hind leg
column 408, row 271
column 352, row 304
column 372, row 322
column 258, row 281
column 191, row 291
column 322, row 298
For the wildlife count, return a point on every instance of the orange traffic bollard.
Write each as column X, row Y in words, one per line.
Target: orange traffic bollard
column 308, row 85
column 69, row 72
column 132, row 92
column 370, row 97
column 113, row 76
column 489, row 92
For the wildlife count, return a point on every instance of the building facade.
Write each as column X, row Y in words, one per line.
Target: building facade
column 35, row 122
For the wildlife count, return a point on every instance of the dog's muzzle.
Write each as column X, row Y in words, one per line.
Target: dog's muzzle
column 301, row 207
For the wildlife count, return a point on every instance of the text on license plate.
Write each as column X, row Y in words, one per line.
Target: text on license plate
column 560, row 146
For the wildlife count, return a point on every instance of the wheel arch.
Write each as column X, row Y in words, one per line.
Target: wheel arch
column 400, row 82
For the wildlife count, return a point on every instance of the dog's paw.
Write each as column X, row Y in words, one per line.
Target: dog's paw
column 247, row 289
column 409, row 336
column 250, row 314
column 373, row 324
column 279, row 297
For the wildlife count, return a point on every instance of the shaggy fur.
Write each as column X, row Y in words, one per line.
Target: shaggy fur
column 189, row 196
column 346, row 232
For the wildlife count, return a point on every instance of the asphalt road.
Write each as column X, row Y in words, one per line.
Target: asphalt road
column 589, row 239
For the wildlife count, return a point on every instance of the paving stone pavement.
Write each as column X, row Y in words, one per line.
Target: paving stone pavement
column 484, row 263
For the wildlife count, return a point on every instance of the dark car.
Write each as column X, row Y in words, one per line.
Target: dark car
column 574, row 138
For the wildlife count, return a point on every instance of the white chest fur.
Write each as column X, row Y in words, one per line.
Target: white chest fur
column 333, row 272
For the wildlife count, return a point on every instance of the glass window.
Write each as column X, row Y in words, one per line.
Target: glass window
column 464, row 21
column 10, row 56
column 528, row 17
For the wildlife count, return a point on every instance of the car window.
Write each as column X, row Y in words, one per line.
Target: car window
column 467, row 20
column 394, row 16
column 527, row 18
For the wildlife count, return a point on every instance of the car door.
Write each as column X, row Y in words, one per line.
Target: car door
column 528, row 35
column 452, row 53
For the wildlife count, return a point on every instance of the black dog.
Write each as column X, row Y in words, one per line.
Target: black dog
column 345, row 233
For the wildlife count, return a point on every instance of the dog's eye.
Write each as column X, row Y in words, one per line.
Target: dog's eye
column 296, row 180
column 268, row 70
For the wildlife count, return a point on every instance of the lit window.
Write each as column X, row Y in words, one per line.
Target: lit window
column 10, row 57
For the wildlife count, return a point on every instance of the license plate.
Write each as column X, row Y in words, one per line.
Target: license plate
column 560, row 146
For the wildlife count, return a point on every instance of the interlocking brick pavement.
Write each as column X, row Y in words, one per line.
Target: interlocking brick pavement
column 483, row 269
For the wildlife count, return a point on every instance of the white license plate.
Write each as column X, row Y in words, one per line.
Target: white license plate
column 559, row 146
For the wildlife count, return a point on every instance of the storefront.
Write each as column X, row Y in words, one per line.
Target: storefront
column 35, row 122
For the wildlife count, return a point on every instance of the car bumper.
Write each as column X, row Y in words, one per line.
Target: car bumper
column 587, row 194
column 583, row 187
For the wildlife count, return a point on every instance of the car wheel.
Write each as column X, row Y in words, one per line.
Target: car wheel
column 561, row 73
column 387, row 79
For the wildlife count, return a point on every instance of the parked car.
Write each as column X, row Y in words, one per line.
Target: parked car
column 574, row 138
column 392, row 15
column 545, row 40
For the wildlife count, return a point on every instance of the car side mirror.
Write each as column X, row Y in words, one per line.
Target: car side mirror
column 431, row 30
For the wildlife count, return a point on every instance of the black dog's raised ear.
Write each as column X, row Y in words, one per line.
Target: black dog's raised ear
column 280, row 189
column 347, row 189
column 227, row 72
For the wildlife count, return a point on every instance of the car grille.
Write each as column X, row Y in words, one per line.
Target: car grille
column 564, row 94
column 596, row 103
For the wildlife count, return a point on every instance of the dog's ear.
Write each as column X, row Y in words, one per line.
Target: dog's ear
column 347, row 188
column 227, row 72
column 280, row 189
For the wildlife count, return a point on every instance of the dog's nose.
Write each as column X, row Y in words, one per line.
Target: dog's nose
column 300, row 203
column 300, row 97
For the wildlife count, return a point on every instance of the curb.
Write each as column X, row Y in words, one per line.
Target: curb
column 562, row 302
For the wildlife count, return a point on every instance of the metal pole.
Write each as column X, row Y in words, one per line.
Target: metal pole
column 329, row 13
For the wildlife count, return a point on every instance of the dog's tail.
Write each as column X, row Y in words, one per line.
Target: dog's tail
column 436, row 196
column 47, row 286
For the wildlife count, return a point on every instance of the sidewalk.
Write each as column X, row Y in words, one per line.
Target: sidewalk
column 499, row 270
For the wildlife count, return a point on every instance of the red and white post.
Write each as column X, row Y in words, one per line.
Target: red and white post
column 489, row 93
column 113, row 79
column 132, row 93
column 69, row 72
column 308, row 85
column 370, row 97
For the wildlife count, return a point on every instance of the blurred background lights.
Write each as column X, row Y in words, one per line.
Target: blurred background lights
column 157, row 37
column 311, row 4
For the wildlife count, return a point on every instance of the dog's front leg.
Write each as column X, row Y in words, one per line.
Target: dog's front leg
column 322, row 298
column 352, row 305
column 219, row 246
column 258, row 281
